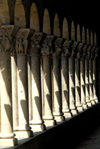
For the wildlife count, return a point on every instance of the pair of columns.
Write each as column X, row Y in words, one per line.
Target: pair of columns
column 51, row 87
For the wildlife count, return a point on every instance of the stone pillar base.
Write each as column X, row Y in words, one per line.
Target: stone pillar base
column 79, row 109
column 8, row 142
column 89, row 104
column 49, row 123
column 59, row 118
column 96, row 99
column 24, row 134
column 85, row 107
column 37, row 128
column 93, row 102
column 67, row 115
column 74, row 112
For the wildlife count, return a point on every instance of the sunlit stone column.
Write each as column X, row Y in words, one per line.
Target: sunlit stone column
column 6, row 121
column 94, row 74
column 21, row 51
column 57, row 101
column 65, row 80
column 87, row 94
column 91, row 75
column 47, row 87
column 77, row 78
column 36, row 122
column 82, row 78
column 72, row 103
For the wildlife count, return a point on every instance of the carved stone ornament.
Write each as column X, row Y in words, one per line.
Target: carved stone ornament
column 79, row 50
column 47, row 46
column 66, row 48
column 84, row 51
column 92, row 52
column 58, row 46
column 37, row 39
column 22, row 40
column 73, row 49
column 7, row 33
column 88, row 52
column 96, row 52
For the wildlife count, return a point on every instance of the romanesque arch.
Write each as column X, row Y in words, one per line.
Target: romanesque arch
column 34, row 18
column 91, row 38
column 19, row 19
column 56, row 26
column 87, row 36
column 46, row 22
column 72, row 31
column 4, row 12
column 65, row 31
column 83, row 34
column 95, row 39
column 78, row 33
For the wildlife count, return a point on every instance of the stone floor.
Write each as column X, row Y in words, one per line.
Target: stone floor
column 91, row 141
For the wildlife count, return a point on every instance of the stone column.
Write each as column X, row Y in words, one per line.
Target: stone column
column 21, row 51
column 91, row 75
column 47, row 87
column 6, row 121
column 65, row 80
column 77, row 78
column 57, row 101
column 87, row 94
column 72, row 79
column 82, row 78
column 94, row 74
column 36, row 122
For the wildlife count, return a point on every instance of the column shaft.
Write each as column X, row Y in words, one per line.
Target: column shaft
column 36, row 123
column 82, row 81
column 47, row 117
column 6, row 133
column 65, row 88
column 72, row 86
column 94, row 81
column 14, row 92
column 91, row 81
column 23, row 129
column 77, row 85
column 87, row 83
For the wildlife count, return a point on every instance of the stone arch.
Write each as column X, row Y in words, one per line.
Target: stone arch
column 4, row 12
column 46, row 22
column 95, row 39
column 87, row 36
column 83, row 34
column 78, row 33
column 72, row 31
column 34, row 18
column 91, row 38
column 65, row 31
column 19, row 19
column 56, row 26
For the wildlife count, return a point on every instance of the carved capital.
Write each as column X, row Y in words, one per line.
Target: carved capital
column 37, row 39
column 73, row 49
column 88, row 52
column 79, row 50
column 96, row 52
column 22, row 40
column 7, row 33
column 66, row 48
column 47, row 46
column 84, row 51
column 58, row 46
column 92, row 56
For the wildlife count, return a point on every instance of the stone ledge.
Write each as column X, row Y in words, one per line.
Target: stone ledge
column 67, row 133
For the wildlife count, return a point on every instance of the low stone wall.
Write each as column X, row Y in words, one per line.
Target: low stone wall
column 66, row 134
